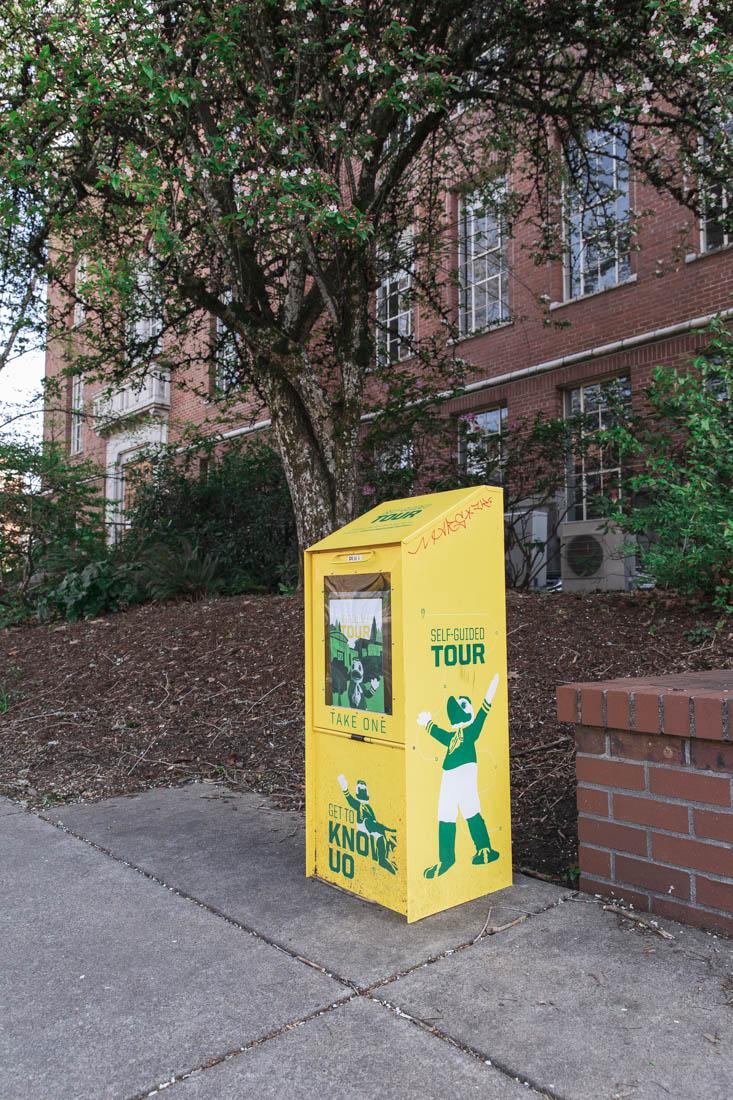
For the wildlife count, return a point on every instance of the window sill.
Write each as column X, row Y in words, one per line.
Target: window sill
column 693, row 257
column 452, row 341
column 594, row 294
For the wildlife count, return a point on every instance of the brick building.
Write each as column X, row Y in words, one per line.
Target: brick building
column 620, row 311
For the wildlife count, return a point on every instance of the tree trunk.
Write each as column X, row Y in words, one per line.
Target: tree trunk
column 319, row 460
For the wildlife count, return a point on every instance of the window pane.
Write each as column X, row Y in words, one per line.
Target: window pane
column 480, row 449
column 483, row 254
column 596, row 471
column 714, row 234
column 489, row 421
column 592, row 495
column 480, row 312
column 394, row 310
column 596, row 209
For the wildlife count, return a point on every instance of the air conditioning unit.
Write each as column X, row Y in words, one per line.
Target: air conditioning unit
column 526, row 547
column 593, row 557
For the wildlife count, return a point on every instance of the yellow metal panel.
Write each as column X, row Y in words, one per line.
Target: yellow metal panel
column 359, row 818
column 310, row 773
column 455, row 634
column 407, row 753
column 392, row 522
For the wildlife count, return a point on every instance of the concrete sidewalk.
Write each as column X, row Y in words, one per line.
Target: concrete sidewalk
column 171, row 941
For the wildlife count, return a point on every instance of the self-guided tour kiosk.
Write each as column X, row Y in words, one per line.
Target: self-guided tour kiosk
column 407, row 747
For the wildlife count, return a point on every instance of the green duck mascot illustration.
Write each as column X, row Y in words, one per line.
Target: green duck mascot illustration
column 459, row 783
column 366, row 822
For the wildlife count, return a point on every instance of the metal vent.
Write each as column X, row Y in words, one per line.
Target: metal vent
column 584, row 555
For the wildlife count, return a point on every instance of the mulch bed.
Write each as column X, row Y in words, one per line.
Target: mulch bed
column 163, row 695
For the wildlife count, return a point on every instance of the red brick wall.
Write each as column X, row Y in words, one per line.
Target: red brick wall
column 655, row 806
column 667, row 290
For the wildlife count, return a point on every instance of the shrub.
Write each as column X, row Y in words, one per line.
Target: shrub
column 173, row 569
column 225, row 527
column 105, row 585
column 679, row 492
column 51, row 522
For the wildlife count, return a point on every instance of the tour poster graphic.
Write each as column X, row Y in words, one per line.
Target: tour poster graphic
column 358, row 642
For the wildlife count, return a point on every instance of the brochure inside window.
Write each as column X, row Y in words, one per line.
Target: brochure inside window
column 359, row 642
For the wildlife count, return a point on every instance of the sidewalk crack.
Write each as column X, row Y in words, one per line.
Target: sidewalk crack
column 236, row 1052
column 472, row 1052
column 212, row 909
column 483, row 935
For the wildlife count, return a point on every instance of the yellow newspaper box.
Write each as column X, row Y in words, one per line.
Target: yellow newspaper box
column 407, row 747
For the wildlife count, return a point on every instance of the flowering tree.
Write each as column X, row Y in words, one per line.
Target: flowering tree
column 261, row 165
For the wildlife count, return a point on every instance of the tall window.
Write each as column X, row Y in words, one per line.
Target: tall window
column 482, row 270
column 597, row 472
column 480, row 442
column 145, row 322
column 227, row 373
column 80, row 274
column 394, row 307
column 77, row 412
column 716, row 226
column 597, row 214
column 716, row 223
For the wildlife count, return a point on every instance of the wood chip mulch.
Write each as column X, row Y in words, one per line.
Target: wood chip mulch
column 163, row 695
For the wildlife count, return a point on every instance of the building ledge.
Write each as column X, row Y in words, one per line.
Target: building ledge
column 113, row 411
column 693, row 257
column 453, row 341
column 586, row 297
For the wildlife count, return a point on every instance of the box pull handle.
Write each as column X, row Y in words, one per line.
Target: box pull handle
column 353, row 558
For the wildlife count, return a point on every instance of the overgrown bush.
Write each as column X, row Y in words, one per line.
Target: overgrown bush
column 679, row 492
column 199, row 524
column 51, row 523
column 213, row 522
column 101, row 586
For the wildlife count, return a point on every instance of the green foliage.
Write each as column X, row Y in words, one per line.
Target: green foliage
column 679, row 492
column 700, row 634
column 181, row 569
column 572, row 874
column 227, row 527
column 101, row 586
column 529, row 459
column 267, row 157
column 51, row 520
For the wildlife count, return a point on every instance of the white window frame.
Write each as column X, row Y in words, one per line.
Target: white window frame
column 146, row 326
column 722, row 206
column 605, row 474
column 480, row 269
column 395, row 310
column 612, row 267
column 471, row 455
column 77, row 414
column 226, row 357
column 80, row 274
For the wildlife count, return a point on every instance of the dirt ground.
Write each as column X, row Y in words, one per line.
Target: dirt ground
column 163, row 695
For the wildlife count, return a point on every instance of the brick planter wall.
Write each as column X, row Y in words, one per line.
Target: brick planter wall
column 655, row 777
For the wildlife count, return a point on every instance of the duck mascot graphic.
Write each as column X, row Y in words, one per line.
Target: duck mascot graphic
column 459, row 783
column 366, row 822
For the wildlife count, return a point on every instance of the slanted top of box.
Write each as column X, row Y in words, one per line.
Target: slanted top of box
column 688, row 704
column 401, row 521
